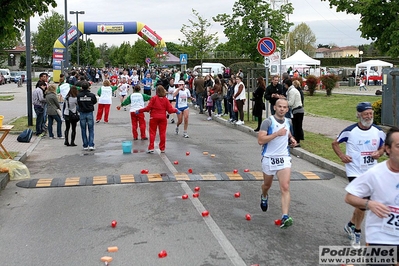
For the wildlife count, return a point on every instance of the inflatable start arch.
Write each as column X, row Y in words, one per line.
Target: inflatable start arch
column 101, row 28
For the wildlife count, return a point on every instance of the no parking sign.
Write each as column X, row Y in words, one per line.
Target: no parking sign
column 266, row 46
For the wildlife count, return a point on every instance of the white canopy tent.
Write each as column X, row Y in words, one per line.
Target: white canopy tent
column 372, row 63
column 301, row 60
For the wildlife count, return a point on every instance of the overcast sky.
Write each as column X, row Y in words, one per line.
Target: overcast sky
column 167, row 18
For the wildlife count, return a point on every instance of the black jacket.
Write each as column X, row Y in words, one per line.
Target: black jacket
column 273, row 89
column 86, row 101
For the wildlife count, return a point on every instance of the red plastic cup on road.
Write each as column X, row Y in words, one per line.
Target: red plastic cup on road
column 248, row 217
column 114, row 223
column 246, row 170
column 277, row 222
column 162, row 254
column 195, row 195
column 197, row 189
column 190, row 170
column 235, row 171
column 176, row 162
column 144, row 171
column 237, row 194
column 205, row 213
column 185, row 196
column 118, row 107
column 187, row 153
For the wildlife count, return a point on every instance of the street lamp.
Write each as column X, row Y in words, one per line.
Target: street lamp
column 361, row 53
column 77, row 26
column 12, row 60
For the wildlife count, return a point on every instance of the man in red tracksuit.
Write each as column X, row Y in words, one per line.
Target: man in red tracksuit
column 158, row 106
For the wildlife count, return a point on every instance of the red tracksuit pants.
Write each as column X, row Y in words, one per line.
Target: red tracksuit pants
column 161, row 124
column 103, row 108
column 137, row 121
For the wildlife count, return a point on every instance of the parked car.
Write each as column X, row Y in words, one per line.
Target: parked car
column 15, row 76
column 6, row 74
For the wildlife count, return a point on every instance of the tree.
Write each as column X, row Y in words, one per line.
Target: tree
column 49, row 30
column 140, row 51
column 197, row 36
column 16, row 12
column 302, row 38
column 378, row 21
column 245, row 27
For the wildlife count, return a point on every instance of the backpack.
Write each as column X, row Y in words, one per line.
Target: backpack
column 25, row 136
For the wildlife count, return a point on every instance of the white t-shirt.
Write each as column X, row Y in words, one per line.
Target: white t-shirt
column 106, row 95
column 182, row 97
column 241, row 96
column 279, row 145
column 171, row 90
column 134, row 79
column 123, row 89
column 381, row 185
column 360, row 144
column 136, row 101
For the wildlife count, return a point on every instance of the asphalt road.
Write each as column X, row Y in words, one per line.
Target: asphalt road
column 72, row 225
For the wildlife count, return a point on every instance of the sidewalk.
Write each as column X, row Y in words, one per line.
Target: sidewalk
column 329, row 127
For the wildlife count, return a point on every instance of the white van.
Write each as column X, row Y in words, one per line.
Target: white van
column 210, row 68
column 6, row 74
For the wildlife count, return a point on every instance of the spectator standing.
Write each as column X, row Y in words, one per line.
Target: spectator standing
column 71, row 103
column 239, row 97
column 295, row 104
column 209, row 105
column 39, row 102
column 217, row 88
column 274, row 92
column 199, row 87
column 258, row 108
column 53, row 111
column 86, row 102
column 230, row 100
column 170, row 89
column 364, row 145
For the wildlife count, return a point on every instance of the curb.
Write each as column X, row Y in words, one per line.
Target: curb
column 299, row 152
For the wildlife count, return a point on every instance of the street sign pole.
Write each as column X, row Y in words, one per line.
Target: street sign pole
column 267, row 70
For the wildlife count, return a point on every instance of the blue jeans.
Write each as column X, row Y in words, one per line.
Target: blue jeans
column 39, row 119
column 87, row 122
column 219, row 106
column 231, row 111
column 57, row 118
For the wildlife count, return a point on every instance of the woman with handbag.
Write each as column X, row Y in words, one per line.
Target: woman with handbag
column 53, row 111
column 71, row 115
column 259, row 106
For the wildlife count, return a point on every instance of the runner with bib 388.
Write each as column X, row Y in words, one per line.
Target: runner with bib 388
column 274, row 136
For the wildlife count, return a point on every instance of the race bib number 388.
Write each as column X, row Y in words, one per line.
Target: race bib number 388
column 277, row 163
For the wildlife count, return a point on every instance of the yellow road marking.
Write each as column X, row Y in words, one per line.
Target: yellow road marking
column 154, row 177
column 127, row 179
column 100, row 180
column 233, row 176
column 181, row 176
column 257, row 175
column 44, row 182
column 208, row 176
column 72, row 181
column 310, row 175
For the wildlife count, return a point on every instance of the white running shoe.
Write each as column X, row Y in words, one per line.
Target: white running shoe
column 209, row 118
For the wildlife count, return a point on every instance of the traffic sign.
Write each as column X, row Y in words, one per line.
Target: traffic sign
column 267, row 61
column 266, row 46
column 183, row 59
column 148, row 60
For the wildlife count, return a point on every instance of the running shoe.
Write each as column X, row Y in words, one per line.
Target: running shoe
column 172, row 121
column 185, row 135
column 355, row 241
column 91, row 148
column 85, row 148
column 286, row 221
column 150, row 151
column 177, row 130
column 209, row 118
column 264, row 202
column 349, row 230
